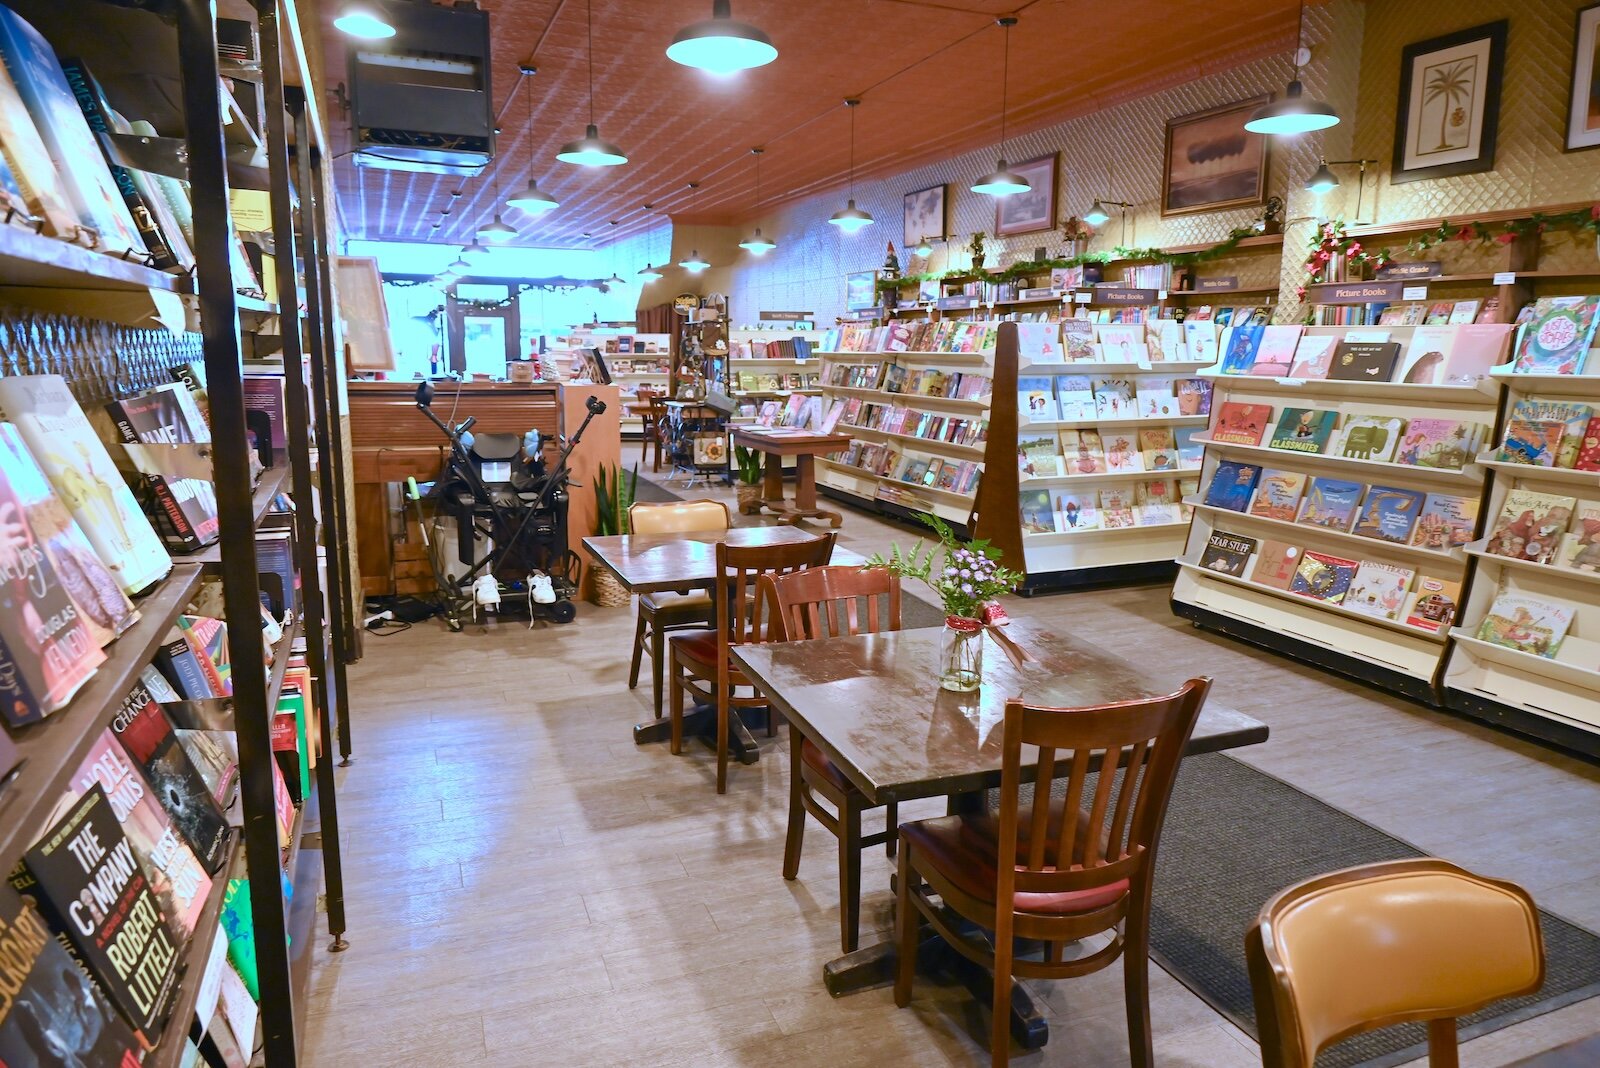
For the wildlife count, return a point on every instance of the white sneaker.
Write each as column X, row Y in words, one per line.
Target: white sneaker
column 486, row 590
column 543, row 591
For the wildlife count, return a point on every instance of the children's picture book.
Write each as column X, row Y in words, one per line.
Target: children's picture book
column 1157, row 448
column 1200, row 338
column 1227, row 553
column 1379, row 589
column 1276, row 564
column 1156, row 397
column 1277, row 494
column 1530, row 525
column 1447, row 521
column 1536, row 422
column 1371, row 437
column 1537, row 444
column 1275, row 356
column 1231, row 485
column 1165, row 341
column 1389, row 514
column 1116, row 507
column 1323, row 577
column 1190, row 442
column 1083, row 452
column 1427, row 354
column 1075, row 397
column 1528, row 624
column 1330, row 502
column 1038, row 515
column 1035, row 401
column 1237, row 423
column 1448, row 444
column 830, row 421
column 1123, row 343
column 1362, row 361
column 1305, row 430
column 1589, row 448
column 1038, row 343
column 1240, row 347
column 1557, row 341
column 1313, row 356
column 1076, row 511
column 1114, row 398
column 1077, row 337
column 1580, row 547
column 1122, row 451
column 1434, row 604
column 1155, row 503
column 1037, row 456
column 1194, row 396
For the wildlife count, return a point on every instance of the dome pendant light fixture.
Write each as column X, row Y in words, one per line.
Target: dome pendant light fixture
column 693, row 263
column 756, row 243
column 474, row 252
column 497, row 232
column 1322, row 179
column 532, row 199
column 720, row 45
column 649, row 274
column 363, row 22
column 1002, row 181
column 851, row 218
column 589, row 150
column 1295, row 113
column 924, row 248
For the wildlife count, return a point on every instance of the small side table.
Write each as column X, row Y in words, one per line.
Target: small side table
column 805, row 448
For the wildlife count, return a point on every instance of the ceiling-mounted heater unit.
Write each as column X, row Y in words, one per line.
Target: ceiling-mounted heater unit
column 420, row 101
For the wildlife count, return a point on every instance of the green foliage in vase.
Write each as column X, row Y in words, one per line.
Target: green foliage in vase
column 965, row 576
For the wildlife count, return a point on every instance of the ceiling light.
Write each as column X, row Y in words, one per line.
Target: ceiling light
column 1002, row 182
column 497, row 232
column 589, row 150
column 924, row 248
column 694, row 264
column 1294, row 114
column 474, row 252
column 649, row 274
column 532, row 200
column 615, row 280
column 359, row 20
column 851, row 218
column 1323, row 180
column 721, row 45
column 459, row 267
column 1097, row 215
column 757, row 243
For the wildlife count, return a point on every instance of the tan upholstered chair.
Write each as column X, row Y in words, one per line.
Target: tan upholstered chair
column 662, row 612
column 1399, row 942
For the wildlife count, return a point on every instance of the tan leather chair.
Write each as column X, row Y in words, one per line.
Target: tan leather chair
column 661, row 612
column 1398, row 942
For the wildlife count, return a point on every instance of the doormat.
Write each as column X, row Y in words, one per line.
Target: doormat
column 1235, row 836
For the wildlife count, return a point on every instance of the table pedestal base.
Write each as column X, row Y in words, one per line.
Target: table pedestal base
column 701, row 722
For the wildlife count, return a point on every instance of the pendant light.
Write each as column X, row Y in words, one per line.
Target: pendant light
column 1002, row 181
column 720, row 45
column 756, row 243
column 532, row 199
column 649, row 274
column 474, row 252
column 497, row 232
column 693, row 264
column 851, row 218
column 362, row 21
column 1295, row 113
column 589, row 150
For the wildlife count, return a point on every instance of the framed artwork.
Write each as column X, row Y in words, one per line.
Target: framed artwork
column 924, row 214
column 1023, row 213
column 1212, row 162
column 1449, row 104
column 1583, row 121
column 861, row 290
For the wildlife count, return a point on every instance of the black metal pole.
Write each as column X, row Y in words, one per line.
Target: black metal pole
column 219, row 330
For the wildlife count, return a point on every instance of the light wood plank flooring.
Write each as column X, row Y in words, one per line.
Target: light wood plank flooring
column 527, row 887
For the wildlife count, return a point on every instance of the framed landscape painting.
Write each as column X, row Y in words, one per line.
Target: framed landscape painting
column 1583, row 123
column 860, row 290
column 1212, row 162
column 924, row 214
column 1023, row 213
column 1449, row 104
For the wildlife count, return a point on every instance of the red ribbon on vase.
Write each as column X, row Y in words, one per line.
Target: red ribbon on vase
column 994, row 619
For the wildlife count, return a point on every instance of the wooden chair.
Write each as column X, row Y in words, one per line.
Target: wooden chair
column 1397, row 942
column 663, row 612
column 826, row 602
column 702, row 656
column 1036, row 874
column 652, row 423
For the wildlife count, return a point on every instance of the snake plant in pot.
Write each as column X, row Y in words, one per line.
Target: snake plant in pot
column 613, row 495
column 749, row 473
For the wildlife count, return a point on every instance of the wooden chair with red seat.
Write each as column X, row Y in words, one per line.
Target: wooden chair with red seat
column 651, row 422
column 660, row 613
column 826, row 602
column 701, row 656
column 1403, row 941
column 1033, row 873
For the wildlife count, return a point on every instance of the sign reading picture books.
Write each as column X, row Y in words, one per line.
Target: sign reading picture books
column 1449, row 104
column 1213, row 162
column 1033, row 209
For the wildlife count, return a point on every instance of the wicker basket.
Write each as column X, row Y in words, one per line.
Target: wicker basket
column 609, row 592
column 749, row 496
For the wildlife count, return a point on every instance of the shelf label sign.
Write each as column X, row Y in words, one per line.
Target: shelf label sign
column 1044, row 293
column 1124, row 295
column 1220, row 283
column 1353, row 292
column 784, row 316
column 1505, row 278
column 1081, row 297
column 955, row 303
column 1420, row 269
column 1414, row 293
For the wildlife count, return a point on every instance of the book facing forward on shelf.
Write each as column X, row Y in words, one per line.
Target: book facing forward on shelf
column 1241, row 343
column 1545, row 433
column 148, row 739
column 1277, row 495
column 1037, row 456
column 1530, row 525
column 1275, row 355
column 1447, row 521
column 1389, row 514
column 1227, row 553
column 1330, row 502
column 1038, row 513
column 1313, row 356
column 1231, row 485
column 1076, row 511
column 1434, row 605
column 1305, row 430
column 1276, row 564
column 1360, row 361
column 1446, row 444
column 1237, row 423
column 39, row 185
column 1075, row 397
column 1083, row 452
column 1371, row 437
column 1323, row 577
column 1035, row 401
column 1534, row 625
column 1379, row 589
column 1557, row 340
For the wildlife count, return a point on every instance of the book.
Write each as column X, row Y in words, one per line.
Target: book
column 1379, row 589
column 52, row 1013
column 1305, row 430
column 1371, row 437
column 1194, row 396
column 146, row 735
column 1323, row 577
column 1123, row 344
column 239, row 926
column 1389, row 514
column 1313, row 356
column 1200, row 339
column 209, row 639
column 1231, row 485
column 1557, row 341
column 1241, row 345
column 830, row 421
column 1122, row 452
column 1035, row 401
column 1116, row 507
column 1191, row 446
column 1275, row 355
column 1528, row 624
column 1330, row 502
column 84, row 878
column 1156, row 397
column 1588, row 458
column 1114, row 399
column 1545, row 433
column 1038, row 512
column 1077, row 338
column 1076, row 511
column 1227, row 553
column 1276, row 564
column 1037, row 457
column 1530, row 525
column 1157, row 448
column 1237, row 423
column 1446, row 522
column 1434, row 604
column 61, row 440
column 1075, row 397
column 1448, row 444
column 1083, row 452
column 33, row 172
column 1363, row 361
column 1580, row 547
column 1277, row 495
column 1427, row 354
column 180, row 666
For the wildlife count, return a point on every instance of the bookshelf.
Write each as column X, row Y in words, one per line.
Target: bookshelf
column 57, row 307
column 1386, row 651
column 1556, row 700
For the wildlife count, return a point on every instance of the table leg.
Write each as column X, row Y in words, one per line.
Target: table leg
column 701, row 722
column 772, row 480
column 805, row 482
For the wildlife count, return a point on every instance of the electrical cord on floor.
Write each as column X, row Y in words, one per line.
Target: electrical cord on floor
column 385, row 629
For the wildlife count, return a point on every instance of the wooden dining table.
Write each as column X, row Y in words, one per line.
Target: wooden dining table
column 872, row 703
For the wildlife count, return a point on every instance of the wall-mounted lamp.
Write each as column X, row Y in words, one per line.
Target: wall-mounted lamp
column 1323, row 180
column 1097, row 215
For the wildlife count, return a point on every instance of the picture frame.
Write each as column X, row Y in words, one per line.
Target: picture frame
column 1195, row 143
column 924, row 214
column 1449, row 105
column 860, row 290
column 1583, row 112
column 1035, row 210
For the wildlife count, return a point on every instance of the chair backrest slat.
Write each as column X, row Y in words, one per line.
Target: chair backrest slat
column 741, row 615
column 1039, row 832
column 824, row 602
column 1115, row 847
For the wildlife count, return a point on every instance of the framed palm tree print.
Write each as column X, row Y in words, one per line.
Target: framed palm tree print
column 1449, row 105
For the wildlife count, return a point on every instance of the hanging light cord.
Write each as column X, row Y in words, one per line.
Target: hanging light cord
column 1005, row 79
column 758, row 181
column 1299, row 39
column 852, row 105
column 588, row 9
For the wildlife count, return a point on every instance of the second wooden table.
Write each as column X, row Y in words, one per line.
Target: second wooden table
column 805, row 448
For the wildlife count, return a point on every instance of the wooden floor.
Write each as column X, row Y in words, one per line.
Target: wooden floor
column 527, row 887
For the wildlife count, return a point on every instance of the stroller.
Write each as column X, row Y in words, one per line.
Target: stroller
column 510, row 512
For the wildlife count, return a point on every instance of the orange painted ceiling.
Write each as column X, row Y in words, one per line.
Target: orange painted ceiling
column 927, row 71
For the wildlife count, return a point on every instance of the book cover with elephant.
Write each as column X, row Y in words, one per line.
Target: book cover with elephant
column 1371, row 437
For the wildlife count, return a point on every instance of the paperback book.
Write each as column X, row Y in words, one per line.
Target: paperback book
column 1379, row 589
column 1433, row 607
column 1580, row 547
column 1323, row 577
column 1306, row 430
column 1227, row 553
column 1236, row 423
column 1276, row 564
column 1277, row 495
column 1330, row 502
column 1231, row 485
column 1389, row 514
column 1448, row 521
column 1528, row 624
column 147, row 737
column 1530, row 525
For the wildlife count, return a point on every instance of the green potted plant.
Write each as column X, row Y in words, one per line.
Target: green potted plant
column 748, row 488
column 613, row 495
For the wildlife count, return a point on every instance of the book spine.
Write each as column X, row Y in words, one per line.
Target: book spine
column 18, row 703
column 183, row 669
column 124, row 425
column 183, row 534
